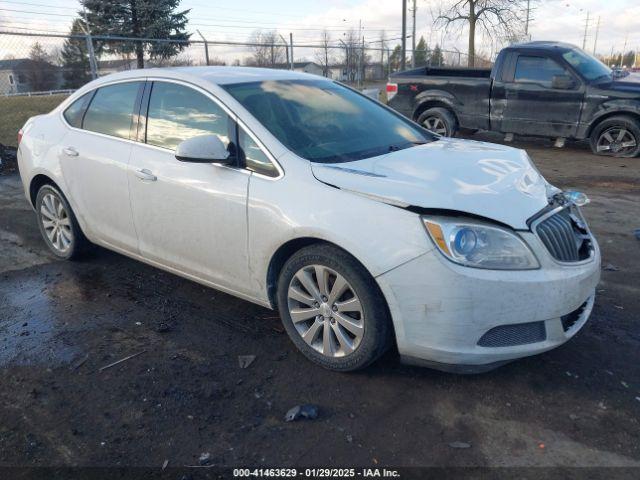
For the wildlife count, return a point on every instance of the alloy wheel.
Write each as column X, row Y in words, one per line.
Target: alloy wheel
column 616, row 140
column 56, row 223
column 326, row 311
column 435, row 125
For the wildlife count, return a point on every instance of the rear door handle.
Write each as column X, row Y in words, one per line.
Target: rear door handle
column 146, row 174
column 70, row 151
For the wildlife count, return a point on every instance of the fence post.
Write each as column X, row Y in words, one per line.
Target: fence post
column 92, row 56
column 206, row 47
column 291, row 42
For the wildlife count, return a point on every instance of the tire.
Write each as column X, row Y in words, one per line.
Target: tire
column 616, row 137
column 440, row 121
column 368, row 332
column 55, row 215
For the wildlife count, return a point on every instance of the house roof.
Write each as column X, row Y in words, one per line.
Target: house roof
column 11, row 63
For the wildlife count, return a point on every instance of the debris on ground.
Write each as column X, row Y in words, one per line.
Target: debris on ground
column 350, row 438
column 609, row 267
column 624, row 384
column 460, row 445
column 164, row 464
column 245, row 360
column 298, row 412
column 163, row 327
column 205, row 458
column 636, row 232
column 121, row 360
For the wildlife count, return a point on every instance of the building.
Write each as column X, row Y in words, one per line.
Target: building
column 22, row 75
column 304, row 67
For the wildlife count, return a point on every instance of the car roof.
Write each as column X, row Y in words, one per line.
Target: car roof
column 216, row 75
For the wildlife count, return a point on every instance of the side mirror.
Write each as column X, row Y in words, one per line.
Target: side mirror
column 203, row 149
column 562, row 82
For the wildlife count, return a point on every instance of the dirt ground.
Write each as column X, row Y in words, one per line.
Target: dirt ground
column 184, row 394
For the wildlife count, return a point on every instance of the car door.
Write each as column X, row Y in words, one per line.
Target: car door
column 541, row 97
column 94, row 159
column 191, row 217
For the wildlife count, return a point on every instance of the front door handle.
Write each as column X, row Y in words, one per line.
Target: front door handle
column 146, row 174
column 70, row 151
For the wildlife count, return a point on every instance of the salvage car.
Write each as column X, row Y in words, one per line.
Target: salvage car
column 294, row 192
column 545, row 89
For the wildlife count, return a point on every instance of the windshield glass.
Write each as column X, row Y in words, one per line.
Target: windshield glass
column 325, row 122
column 589, row 67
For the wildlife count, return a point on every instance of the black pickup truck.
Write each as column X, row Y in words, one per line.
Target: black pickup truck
column 546, row 89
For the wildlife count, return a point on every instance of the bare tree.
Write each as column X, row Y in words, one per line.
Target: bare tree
column 268, row 49
column 323, row 54
column 38, row 69
column 495, row 17
column 353, row 50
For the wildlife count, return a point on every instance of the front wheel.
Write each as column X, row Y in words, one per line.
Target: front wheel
column 332, row 309
column 616, row 137
column 439, row 120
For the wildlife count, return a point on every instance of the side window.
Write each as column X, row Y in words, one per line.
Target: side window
column 539, row 70
column 255, row 159
column 111, row 110
column 73, row 113
column 177, row 112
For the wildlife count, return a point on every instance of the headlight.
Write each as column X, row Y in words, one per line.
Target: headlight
column 475, row 244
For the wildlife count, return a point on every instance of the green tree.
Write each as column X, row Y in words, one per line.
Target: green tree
column 629, row 59
column 139, row 19
column 75, row 59
column 437, row 59
column 395, row 58
column 421, row 53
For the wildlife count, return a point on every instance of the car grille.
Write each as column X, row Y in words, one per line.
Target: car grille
column 517, row 334
column 566, row 236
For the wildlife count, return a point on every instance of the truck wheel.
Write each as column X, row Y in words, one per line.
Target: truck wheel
column 439, row 120
column 616, row 137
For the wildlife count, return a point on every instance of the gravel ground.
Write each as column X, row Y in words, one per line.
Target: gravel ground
column 184, row 393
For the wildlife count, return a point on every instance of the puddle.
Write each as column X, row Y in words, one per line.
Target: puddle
column 31, row 330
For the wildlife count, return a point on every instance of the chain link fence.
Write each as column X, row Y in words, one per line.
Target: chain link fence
column 38, row 65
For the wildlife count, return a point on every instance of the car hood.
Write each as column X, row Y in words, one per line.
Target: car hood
column 479, row 178
column 630, row 83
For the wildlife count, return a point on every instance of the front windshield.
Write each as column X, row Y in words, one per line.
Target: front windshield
column 325, row 122
column 589, row 67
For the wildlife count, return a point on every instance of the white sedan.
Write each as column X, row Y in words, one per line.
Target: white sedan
column 294, row 192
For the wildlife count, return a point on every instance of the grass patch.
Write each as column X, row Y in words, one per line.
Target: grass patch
column 14, row 112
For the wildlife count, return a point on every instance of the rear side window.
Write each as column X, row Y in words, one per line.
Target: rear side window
column 111, row 110
column 177, row 112
column 73, row 114
column 539, row 70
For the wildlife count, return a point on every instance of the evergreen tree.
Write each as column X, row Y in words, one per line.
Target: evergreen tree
column 437, row 59
column 421, row 53
column 75, row 59
column 139, row 19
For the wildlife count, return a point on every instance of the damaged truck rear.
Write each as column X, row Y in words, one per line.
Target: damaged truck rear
column 545, row 89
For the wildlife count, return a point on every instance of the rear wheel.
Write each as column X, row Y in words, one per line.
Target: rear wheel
column 332, row 308
column 439, row 120
column 616, row 137
column 58, row 224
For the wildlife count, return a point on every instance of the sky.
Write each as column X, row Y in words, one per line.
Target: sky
column 224, row 20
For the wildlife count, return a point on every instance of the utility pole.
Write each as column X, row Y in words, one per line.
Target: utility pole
column 526, row 25
column 403, row 59
column 586, row 30
column 291, row 43
column 595, row 42
column 413, row 36
column 206, row 47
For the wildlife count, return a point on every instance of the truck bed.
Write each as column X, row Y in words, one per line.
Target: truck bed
column 458, row 72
